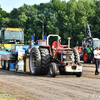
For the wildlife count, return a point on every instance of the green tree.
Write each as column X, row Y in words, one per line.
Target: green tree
column 58, row 17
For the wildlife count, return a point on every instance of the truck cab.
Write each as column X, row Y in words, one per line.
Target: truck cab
column 11, row 36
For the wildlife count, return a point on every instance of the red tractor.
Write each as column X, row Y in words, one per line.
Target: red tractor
column 66, row 60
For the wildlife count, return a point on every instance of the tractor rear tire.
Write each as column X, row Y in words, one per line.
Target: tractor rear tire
column 45, row 61
column 86, row 56
column 76, row 55
column 35, row 61
column 53, row 69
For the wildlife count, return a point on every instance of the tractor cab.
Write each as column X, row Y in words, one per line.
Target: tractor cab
column 90, row 42
column 11, row 36
column 96, row 42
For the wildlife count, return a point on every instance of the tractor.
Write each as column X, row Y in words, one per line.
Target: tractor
column 88, row 46
column 67, row 60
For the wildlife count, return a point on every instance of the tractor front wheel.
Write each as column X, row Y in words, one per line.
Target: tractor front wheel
column 86, row 57
column 79, row 74
column 53, row 69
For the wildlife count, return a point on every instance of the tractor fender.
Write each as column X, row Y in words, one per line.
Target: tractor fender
column 46, row 46
column 85, row 49
column 90, row 54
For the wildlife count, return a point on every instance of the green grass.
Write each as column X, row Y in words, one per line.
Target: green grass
column 8, row 96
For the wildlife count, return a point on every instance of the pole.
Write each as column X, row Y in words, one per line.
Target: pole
column 42, row 29
column 68, row 42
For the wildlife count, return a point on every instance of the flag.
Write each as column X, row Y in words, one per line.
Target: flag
column 32, row 39
column 44, row 37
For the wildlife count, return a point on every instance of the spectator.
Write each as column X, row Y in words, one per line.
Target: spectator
column 97, row 59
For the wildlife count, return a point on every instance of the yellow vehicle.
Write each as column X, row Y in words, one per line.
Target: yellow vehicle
column 10, row 36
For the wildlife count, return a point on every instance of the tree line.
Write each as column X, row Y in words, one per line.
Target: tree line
column 67, row 19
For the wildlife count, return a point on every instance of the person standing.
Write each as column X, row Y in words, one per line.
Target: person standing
column 97, row 59
column 29, row 48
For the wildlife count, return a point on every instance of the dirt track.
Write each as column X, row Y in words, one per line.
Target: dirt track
column 62, row 87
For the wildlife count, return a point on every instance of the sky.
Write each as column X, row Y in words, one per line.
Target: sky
column 8, row 5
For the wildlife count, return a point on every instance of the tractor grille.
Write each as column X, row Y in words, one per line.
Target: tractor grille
column 67, row 58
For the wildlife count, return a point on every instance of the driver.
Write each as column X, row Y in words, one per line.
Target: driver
column 54, row 46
